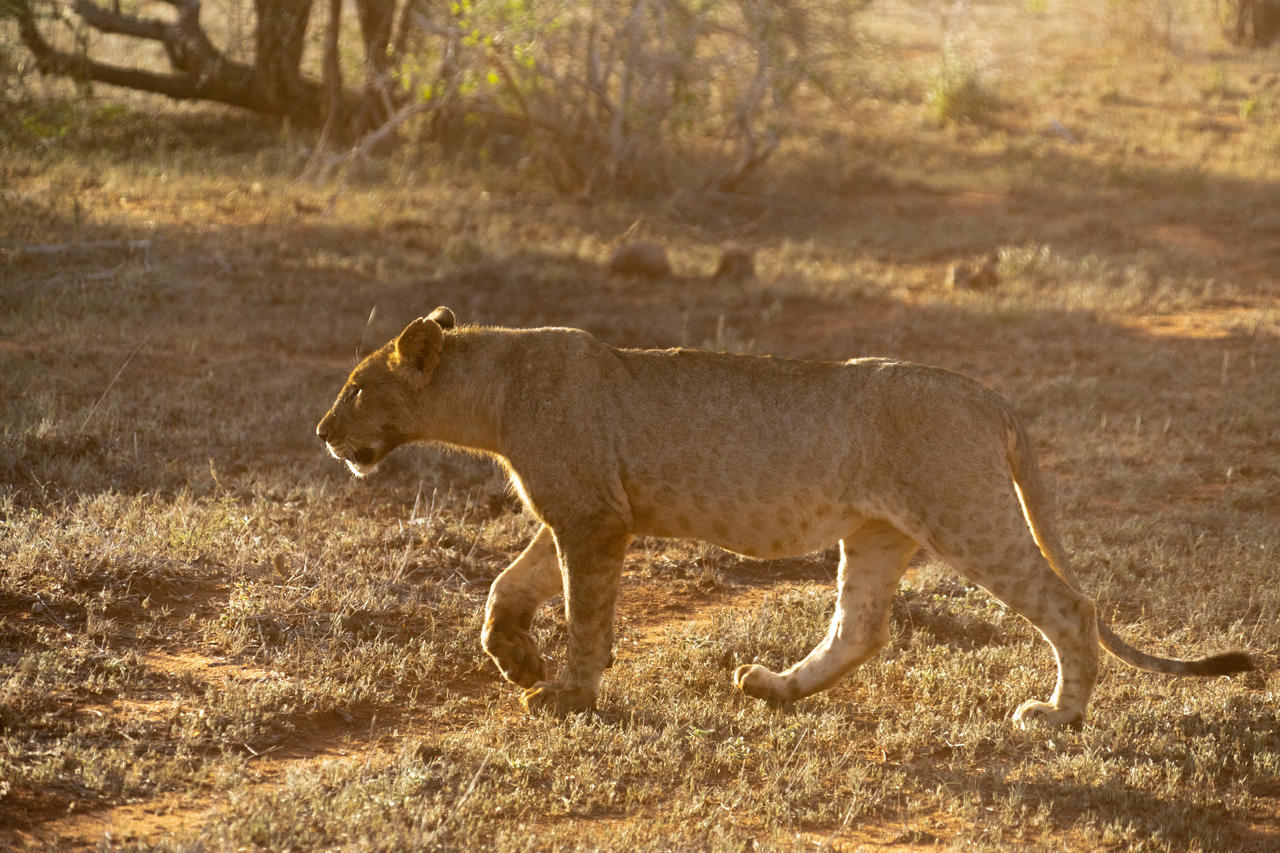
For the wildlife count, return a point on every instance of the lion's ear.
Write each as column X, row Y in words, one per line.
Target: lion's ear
column 418, row 348
column 443, row 317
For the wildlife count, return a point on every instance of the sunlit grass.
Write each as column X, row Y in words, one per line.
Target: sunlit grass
column 203, row 616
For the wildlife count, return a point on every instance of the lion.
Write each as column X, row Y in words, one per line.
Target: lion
column 765, row 457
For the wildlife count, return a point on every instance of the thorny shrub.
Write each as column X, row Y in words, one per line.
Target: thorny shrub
column 620, row 92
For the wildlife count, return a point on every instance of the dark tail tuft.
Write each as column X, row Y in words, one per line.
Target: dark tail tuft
column 1223, row 664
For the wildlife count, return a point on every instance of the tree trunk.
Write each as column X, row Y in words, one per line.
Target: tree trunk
column 1255, row 23
column 274, row 85
column 279, row 39
column 377, row 102
column 376, row 17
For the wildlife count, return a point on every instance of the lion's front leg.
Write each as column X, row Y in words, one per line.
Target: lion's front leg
column 514, row 598
column 591, row 560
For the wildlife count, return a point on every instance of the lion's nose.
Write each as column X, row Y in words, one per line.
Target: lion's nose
column 322, row 430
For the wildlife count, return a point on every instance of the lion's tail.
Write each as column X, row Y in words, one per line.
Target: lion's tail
column 1030, row 487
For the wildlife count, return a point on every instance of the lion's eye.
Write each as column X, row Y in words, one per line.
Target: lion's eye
column 356, row 398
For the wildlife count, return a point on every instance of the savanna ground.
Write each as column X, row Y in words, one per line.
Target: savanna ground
column 211, row 637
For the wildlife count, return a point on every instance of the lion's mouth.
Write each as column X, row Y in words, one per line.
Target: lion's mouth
column 362, row 460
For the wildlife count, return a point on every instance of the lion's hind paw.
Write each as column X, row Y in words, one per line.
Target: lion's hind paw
column 550, row 698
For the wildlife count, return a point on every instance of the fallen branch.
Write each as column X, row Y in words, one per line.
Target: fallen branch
column 320, row 170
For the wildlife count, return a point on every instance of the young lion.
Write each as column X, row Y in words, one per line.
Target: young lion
column 766, row 457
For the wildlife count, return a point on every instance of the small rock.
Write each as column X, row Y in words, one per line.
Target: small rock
column 644, row 258
column 735, row 265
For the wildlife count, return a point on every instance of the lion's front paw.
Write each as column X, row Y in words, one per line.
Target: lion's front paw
column 760, row 683
column 1032, row 713
column 515, row 653
column 546, row 697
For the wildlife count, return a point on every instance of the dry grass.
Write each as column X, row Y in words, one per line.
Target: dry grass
column 211, row 638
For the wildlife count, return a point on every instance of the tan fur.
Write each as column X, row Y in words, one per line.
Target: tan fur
column 765, row 457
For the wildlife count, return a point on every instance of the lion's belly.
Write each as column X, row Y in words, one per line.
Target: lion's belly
column 755, row 456
column 781, row 525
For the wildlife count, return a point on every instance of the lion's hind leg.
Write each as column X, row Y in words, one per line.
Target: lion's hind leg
column 1008, row 564
column 514, row 598
column 872, row 560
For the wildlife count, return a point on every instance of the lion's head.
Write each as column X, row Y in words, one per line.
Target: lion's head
column 374, row 412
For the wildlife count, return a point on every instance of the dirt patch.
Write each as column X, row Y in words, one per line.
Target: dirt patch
column 151, row 823
column 1235, row 322
column 651, row 607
